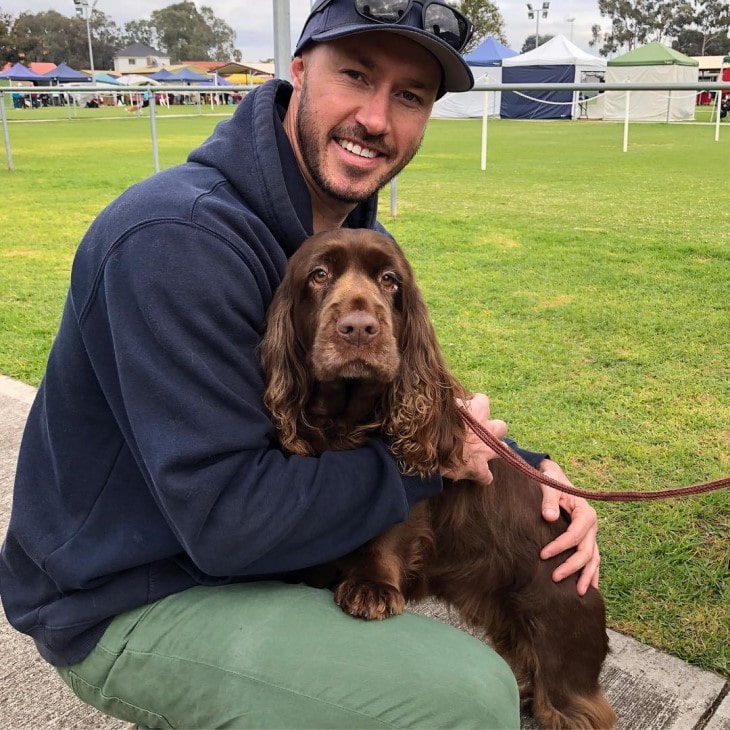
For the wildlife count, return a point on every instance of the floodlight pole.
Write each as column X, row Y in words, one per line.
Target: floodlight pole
column 572, row 23
column 535, row 13
column 84, row 10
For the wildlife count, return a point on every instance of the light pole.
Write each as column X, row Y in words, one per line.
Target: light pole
column 572, row 22
column 84, row 10
column 535, row 12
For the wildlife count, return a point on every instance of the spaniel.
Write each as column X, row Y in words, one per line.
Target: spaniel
column 349, row 354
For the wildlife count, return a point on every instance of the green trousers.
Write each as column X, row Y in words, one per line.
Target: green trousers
column 270, row 655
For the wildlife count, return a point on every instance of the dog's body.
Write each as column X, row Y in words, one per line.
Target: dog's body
column 350, row 353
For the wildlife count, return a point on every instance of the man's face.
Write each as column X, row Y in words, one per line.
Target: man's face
column 362, row 104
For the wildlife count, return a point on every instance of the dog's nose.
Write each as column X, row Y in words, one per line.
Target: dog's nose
column 358, row 327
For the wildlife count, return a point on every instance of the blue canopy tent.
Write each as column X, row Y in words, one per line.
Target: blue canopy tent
column 64, row 74
column 188, row 76
column 490, row 52
column 485, row 62
column 217, row 81
column 558, row 61
column 18, row 72
column 163, row 75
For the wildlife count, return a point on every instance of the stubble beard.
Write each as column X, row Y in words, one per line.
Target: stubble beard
column 314, row 158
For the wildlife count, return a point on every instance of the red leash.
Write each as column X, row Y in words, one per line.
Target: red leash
column 510, row 457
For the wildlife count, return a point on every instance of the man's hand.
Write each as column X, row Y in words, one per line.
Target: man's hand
column 581, row 533
column 476, row 453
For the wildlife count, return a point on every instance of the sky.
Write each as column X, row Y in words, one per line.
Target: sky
column 253, row 20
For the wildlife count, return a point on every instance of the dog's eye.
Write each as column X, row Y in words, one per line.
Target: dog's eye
column 390, row 281
column 319, row 276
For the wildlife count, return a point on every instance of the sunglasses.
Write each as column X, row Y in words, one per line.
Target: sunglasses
column 440, row 20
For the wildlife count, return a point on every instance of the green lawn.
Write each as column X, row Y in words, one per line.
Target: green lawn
column 583, row 288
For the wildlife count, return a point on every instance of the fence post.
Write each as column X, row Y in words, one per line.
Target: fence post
column 153, row 131
column 8, row 153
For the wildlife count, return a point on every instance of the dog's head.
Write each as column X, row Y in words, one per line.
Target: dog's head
column 349, row 313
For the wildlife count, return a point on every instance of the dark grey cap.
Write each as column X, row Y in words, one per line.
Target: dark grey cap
column 339, row 19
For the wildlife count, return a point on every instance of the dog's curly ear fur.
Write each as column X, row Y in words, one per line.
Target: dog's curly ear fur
column 284, row 364
column 422, row 420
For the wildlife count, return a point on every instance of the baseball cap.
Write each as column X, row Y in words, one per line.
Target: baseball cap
column 435, row 26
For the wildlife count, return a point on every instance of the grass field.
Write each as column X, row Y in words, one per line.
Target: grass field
column 585, row 289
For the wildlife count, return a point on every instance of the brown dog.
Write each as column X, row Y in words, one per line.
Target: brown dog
column 349, row 353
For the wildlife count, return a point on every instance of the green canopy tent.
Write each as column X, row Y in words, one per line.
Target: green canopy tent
column 652, row 63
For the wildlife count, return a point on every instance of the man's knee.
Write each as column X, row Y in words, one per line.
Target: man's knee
column 478, row 692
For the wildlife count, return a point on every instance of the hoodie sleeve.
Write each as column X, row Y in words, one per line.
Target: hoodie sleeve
column 172, row 329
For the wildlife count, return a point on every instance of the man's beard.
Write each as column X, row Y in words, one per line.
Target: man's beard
column 314, row 161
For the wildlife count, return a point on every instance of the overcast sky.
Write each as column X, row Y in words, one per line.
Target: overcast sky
column 253, row 19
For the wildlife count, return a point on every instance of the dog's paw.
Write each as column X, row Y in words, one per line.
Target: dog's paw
column 369, row 599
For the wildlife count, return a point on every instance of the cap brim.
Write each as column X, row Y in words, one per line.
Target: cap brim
column 457, row 74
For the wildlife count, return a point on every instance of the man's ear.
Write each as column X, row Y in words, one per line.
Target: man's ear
column 297, row 72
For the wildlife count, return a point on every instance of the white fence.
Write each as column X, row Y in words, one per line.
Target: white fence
column 579, row 91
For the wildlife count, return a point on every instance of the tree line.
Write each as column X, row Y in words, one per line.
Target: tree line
column 182, row 32
column 693, row 27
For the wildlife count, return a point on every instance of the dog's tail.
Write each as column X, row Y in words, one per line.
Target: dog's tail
column 579, row 713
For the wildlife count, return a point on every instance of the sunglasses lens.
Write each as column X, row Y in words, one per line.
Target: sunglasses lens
column 382, row 11
column 451, row 27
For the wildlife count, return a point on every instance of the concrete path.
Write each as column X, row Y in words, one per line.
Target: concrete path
column 648, row 689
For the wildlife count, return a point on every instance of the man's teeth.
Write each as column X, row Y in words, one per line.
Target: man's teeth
column 356, row 149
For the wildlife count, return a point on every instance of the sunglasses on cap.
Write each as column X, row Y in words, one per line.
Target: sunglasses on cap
column 441, row 20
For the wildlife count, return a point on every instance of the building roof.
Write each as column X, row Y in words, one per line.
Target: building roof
column 139, row 50
column 709, row 62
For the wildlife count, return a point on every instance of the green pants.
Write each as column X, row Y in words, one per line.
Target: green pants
column 270, row 655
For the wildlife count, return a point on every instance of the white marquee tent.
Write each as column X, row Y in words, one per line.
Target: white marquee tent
column 555, row 61
column 485, row 62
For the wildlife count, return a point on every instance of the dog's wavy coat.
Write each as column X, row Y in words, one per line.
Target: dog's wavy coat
column 350, row 353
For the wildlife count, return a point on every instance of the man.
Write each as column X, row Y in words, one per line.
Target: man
column 150, row 507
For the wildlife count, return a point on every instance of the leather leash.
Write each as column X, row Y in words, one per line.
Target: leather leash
column 520, row 464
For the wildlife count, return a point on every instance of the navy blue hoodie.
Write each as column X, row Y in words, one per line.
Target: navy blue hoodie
column 147, row 465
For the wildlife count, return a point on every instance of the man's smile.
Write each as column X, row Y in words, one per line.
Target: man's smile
column 357, row 149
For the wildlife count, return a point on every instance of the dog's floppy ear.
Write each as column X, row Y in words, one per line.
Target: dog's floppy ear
column 421, row 419
column 284, row 364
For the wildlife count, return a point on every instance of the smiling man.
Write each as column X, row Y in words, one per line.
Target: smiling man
column 154, row 521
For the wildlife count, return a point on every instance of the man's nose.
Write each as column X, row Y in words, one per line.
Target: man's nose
column 374, row 112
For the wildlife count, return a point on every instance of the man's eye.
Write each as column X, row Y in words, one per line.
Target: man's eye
column 410, row 97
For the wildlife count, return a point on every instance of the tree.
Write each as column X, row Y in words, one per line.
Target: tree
column 529, row 44
column 183, row 33
column 631, row 24
column 487, row 20
column 50, row 36
column 696, row 43
column 636, row 22
column 6, row 22
column 140, row 31
column 701, row 28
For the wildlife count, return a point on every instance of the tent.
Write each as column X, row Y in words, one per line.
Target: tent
column 554, row 62
column 102, row 78
column 162, row 75
column 188, row 76
column 64, row 74
column 18, row 72
column 136, row 80
column 485, row 62
column 652, row 63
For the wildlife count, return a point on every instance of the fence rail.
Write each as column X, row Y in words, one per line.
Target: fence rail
column 151, row 91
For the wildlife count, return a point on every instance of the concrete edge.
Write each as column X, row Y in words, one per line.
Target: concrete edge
column 16, row 390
